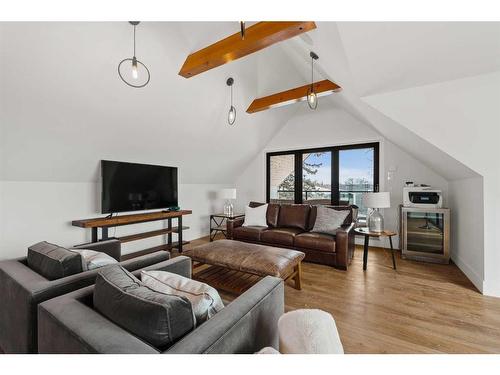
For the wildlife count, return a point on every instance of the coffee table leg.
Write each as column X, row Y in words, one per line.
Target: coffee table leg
column 392, row 251
column 298, row 277
column 365, row 252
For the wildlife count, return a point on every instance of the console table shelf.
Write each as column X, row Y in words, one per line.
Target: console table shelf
column 153, row 233
column 104, row 223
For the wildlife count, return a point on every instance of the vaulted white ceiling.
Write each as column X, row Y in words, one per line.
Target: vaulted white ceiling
column 63, row 106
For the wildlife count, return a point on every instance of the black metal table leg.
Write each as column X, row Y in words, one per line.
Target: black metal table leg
column 104, row 233
column 179, row 224
column 94, row 234
column 365, row 252
column 169, row 235
column 392, row 251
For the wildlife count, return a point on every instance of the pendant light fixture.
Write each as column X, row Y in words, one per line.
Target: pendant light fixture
column 312, row 98
column 133, row 72
column 242, row 30
column 231, row 115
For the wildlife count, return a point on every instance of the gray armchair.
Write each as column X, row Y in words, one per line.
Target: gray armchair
column 69, row 324
column 22, row 289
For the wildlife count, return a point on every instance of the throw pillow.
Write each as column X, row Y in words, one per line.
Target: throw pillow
column 329, row 220
column 52, row 261
column 204, row 299
column 94, row 259
column 160, row 319
column 255, row 216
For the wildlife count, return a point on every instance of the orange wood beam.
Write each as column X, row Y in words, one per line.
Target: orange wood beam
column 298, row 94
column 257, row 37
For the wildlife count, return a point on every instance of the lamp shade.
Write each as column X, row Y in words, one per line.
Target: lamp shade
column 228, row 193
column 377, row 200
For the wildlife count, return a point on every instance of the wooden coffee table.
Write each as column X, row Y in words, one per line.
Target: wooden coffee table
column 232, row 262
column 364, row 231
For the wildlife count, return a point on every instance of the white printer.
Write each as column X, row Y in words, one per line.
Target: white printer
column 422, row 196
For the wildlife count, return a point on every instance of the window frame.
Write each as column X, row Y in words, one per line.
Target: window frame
column 335, row 171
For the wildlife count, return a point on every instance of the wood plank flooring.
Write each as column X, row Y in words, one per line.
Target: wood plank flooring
column 419, row 308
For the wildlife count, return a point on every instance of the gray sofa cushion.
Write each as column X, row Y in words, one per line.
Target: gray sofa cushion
column 52, row 261
column 328, row 220
column 158, row 318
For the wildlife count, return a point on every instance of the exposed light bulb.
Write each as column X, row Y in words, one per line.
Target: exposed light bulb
column 135, row 74
column 231, row 116
column 312, row 100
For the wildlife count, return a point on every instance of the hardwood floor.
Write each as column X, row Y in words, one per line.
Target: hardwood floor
column 419, row 308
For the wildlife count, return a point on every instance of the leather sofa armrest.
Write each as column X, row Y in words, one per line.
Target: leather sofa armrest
column 232, row 224
column 344, row 245
column 111, row 247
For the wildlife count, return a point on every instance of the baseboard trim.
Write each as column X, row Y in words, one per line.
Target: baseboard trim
column 471, row 274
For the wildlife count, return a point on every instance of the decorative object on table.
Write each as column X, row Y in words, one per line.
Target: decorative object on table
column 375, row 201
column 228, row 195
column 365, row 231
column 425, row 234
column 218, row 224
column 231, row 115
column 309, row 331
column 129, row 68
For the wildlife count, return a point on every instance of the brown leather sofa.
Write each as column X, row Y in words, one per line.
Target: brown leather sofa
column 290, row 225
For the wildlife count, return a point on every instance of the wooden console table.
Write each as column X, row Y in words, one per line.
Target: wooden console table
column 109, row 222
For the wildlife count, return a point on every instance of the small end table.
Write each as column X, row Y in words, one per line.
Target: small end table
column 364, row 231
column 218, row 223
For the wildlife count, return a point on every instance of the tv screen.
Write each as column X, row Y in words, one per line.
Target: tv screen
column 133, row 187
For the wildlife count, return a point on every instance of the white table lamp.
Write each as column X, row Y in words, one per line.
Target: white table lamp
column 375, row 201
column 228, row 195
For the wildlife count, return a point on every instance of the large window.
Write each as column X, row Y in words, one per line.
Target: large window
column 333, row 175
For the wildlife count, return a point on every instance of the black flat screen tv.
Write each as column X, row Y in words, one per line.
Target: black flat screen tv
column 135, row 187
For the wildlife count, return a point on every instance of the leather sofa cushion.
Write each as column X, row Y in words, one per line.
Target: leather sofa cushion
column 248, row 233
column 273, row 210
column 158, row 318
column 52, row 261
column 315, row 241
column 347, row 221
column 294, row 216
column 280, row 236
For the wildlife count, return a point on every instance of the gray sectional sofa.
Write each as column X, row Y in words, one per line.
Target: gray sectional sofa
column 22, row 289
column 71, row 324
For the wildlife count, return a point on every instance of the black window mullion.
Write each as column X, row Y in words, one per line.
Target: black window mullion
column 335, row 177
column 298, row 177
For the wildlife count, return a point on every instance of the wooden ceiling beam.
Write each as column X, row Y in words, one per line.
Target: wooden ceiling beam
column 257, row 37
column 298, row 94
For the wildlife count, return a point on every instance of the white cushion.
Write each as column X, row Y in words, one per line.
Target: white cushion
column 309, row 332
column 94, row 259
column 204, row 299
column 268, row 350
column 255, row 216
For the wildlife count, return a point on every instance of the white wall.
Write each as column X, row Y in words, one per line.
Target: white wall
column 467, row 235
column 461, row 118
column 37, row 211
column 330, row 127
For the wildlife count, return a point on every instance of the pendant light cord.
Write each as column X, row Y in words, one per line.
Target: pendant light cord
column 134, row 40
column 231, row 95
column 312, row 74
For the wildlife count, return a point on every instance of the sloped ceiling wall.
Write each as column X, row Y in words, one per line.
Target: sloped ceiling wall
column 61, row 99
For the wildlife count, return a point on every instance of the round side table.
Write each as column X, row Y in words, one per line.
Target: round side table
column 364, row 231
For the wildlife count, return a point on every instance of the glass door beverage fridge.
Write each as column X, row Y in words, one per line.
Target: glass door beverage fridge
column 425, row 234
